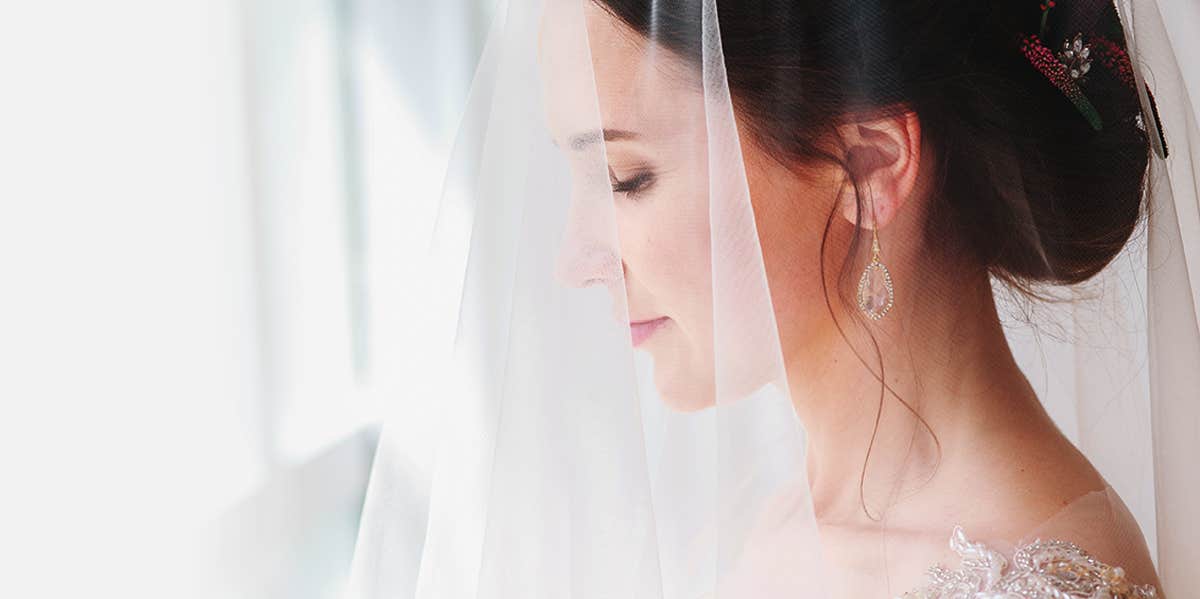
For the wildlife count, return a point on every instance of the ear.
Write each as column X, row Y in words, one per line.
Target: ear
column 883, row 157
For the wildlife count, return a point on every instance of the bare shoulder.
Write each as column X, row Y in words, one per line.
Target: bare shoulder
column 1036, row 473
column 1039, row 486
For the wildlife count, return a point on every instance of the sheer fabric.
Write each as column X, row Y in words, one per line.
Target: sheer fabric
column 602, row 436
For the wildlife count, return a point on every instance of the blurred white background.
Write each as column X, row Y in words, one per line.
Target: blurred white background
column 209, row 210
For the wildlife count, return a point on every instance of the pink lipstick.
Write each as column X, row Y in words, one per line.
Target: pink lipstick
column 642, row 329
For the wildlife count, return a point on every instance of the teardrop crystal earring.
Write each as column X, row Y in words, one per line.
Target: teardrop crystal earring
column 875, row 293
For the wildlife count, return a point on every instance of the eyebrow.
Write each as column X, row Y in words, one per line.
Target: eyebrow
column 583, row 140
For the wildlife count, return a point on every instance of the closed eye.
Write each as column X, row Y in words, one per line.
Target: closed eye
column 634, row 184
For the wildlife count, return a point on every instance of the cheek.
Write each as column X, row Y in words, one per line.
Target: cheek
column 668, row 261
column 666, row 250
column 793, row 219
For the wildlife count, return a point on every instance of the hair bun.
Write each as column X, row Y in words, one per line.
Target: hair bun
column 1083, row 175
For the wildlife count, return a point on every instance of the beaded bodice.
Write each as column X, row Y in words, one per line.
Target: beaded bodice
column 1040, row 570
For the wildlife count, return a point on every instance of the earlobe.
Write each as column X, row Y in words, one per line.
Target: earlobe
column 882, row 158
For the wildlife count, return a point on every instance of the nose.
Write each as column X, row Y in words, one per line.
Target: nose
column 582, row 265
column 589, row 254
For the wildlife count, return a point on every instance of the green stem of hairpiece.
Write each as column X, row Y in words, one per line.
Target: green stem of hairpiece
column 1088, row 111
column 1045, row 16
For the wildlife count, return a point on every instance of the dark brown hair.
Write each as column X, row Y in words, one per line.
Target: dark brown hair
column 795, row 69
column 1024, row 187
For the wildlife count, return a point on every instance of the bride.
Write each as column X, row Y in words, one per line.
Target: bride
column 808, row 219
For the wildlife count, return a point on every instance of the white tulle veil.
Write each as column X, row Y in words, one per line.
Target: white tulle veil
column 571, row 464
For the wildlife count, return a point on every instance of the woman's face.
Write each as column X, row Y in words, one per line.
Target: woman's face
column 649, row 242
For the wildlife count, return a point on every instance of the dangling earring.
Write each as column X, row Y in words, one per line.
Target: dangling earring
column 875, row 295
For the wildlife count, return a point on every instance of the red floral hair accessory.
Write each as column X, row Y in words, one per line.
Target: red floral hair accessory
column 1068, row 69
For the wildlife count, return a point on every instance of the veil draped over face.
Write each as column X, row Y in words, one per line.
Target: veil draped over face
column 631, row 344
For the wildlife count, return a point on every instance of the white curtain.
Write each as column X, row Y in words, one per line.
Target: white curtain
column 199, row 224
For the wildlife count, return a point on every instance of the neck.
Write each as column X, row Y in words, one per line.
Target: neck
column 947, row 366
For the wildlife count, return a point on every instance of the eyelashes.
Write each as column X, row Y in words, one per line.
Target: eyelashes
column 635, row 184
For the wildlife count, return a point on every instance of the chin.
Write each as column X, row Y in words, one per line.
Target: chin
column 683, row 387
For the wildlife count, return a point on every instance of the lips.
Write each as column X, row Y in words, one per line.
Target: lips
column 641, row 330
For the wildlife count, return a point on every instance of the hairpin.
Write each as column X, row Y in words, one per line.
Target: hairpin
column 1066, row 76
column 1067, row 70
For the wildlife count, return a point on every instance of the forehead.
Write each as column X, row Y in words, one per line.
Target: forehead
column 599, row 73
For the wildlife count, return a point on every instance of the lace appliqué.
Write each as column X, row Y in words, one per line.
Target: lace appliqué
column 1040, row 570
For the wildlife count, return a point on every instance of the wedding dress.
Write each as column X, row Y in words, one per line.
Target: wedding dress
column 646, row 313
column 1042, row 567
column 1045, row 565
column 1040, row 570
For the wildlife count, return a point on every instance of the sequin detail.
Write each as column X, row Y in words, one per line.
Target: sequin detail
column 1041, row 570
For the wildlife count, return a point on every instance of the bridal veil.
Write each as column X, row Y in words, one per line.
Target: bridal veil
column 594, row 443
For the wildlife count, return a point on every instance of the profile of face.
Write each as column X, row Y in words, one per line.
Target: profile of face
column 638, row 221
column 631, row 119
